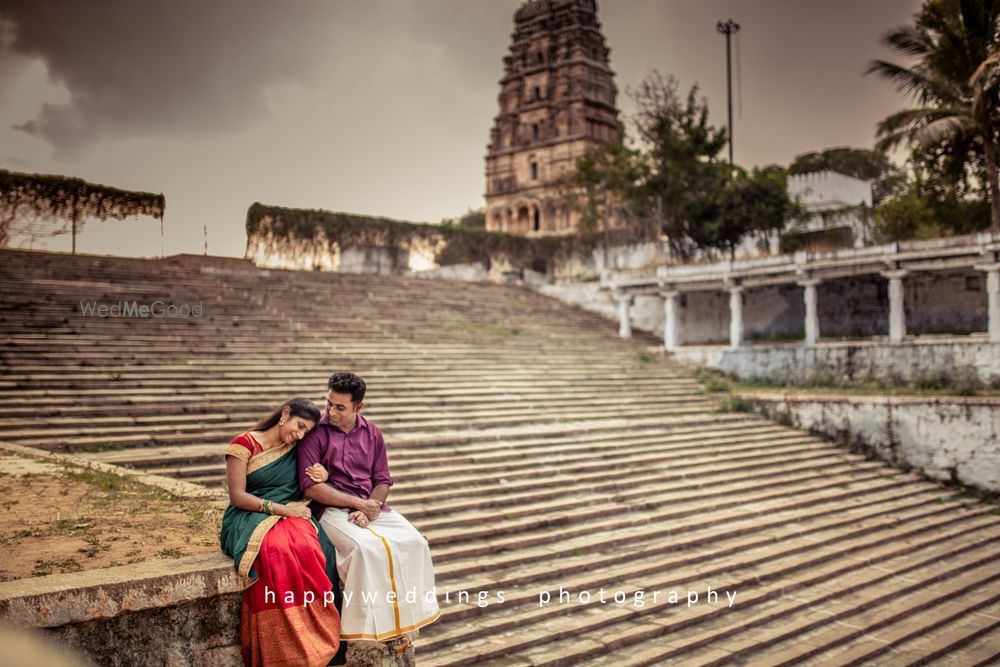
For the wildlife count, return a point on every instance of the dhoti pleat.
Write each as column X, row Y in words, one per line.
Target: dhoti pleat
column 387, row 575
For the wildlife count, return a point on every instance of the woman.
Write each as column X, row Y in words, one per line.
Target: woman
column 286, row 562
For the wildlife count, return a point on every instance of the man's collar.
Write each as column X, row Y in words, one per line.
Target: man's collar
column 324, row 420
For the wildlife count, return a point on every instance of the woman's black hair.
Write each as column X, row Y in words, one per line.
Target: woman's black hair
column 297, row 407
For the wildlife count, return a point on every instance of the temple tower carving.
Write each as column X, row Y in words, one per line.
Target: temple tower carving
column 557, row 97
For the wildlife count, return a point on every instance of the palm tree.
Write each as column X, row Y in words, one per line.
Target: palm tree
column 954, row 79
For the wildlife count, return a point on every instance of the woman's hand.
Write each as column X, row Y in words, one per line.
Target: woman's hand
column 294, row 511
column 317, row 473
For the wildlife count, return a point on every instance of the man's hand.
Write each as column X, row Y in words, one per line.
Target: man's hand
column 370, row 508
column 358, row 517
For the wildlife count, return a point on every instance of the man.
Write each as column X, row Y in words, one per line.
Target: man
column 384, row 563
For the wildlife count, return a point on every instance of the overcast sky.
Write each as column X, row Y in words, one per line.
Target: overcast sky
column 380, row 107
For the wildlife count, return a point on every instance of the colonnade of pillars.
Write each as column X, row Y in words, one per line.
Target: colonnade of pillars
column 897, row 312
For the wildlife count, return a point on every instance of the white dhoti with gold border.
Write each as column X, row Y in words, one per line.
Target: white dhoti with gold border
column 387, row 575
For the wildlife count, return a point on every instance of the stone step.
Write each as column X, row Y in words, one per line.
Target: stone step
column 389, row 409
column 397, row 422
column 444, row 381
column 808, row 624
column 416, row 475
column 519, row 533
column 796, row 569
column 703, row 546
column 395, row 430
column 564, row 460
column 965, row 636
column 466, row 453
column 274, row 396
column 425, row 436
column 953, row 613
column 646, row 540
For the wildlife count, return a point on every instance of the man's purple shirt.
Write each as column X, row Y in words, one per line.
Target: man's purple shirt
column 356, row 461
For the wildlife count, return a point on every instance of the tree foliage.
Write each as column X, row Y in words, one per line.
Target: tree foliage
column 473, row 219
column 754, row 204
column 674, row 182
column 954, row 81
column 686, row 177
column 607, row 184
column 51, row 205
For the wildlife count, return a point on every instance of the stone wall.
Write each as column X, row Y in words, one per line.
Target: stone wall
column 372, row 259
column 861, row 361
column 949, row 439
column 176, row 613
column 946, row 302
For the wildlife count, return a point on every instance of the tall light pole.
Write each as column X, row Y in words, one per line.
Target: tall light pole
column 729, row 28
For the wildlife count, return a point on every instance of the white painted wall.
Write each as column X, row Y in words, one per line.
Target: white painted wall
column 861, row 361
column 944, row 438
column 825, row 190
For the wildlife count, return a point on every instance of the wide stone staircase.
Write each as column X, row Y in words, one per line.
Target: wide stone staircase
column 539, row 454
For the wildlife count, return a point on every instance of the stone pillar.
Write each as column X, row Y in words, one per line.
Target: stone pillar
column 812, row 313
column 993, row 299
column 897, row 313
column 670, row 319
column 735, row 317
column 624, row 300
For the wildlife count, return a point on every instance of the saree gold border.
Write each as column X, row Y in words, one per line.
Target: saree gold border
column 392, row 634
column 256, row 541
column 270, row 456
column 392, row 579
column 239, row 452
column 253, row 548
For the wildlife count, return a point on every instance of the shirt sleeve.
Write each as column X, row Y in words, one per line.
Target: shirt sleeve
column 380, row 462
column 310, row 451
column 240, row 448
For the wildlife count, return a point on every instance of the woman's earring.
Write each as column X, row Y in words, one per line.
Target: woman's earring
column 281, row 422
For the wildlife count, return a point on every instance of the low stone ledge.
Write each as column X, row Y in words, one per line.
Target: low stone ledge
column 176, row 487
column 859, row 360
column 62, row 599
column 176, row 613
column 946, row 438
column 212, row 263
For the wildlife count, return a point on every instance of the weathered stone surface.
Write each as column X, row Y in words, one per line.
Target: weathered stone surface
column 945, row 438
column 860, row 361
column 175, row 487
column 380, row 654
column 202, row 632
column 61, row 599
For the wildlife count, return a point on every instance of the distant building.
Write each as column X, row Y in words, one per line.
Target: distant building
column 839, row 204
column 557, row 97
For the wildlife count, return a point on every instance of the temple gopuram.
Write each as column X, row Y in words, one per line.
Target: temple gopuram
column 557, row 98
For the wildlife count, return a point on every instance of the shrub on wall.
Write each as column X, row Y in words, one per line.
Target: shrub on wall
column 303, row 234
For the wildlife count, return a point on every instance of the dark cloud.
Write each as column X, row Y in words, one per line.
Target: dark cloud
column 156, row 66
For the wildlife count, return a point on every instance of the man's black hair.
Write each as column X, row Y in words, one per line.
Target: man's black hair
column 348, row 383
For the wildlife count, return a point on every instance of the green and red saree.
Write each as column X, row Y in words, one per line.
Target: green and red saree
column 287, row 565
